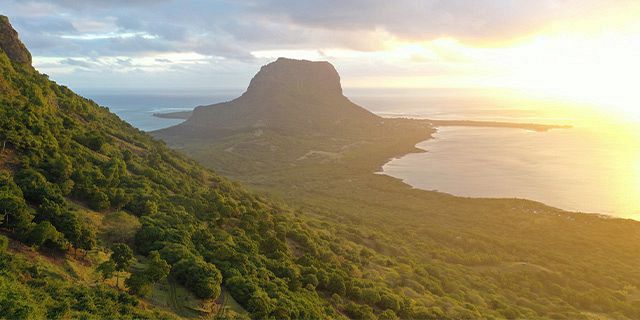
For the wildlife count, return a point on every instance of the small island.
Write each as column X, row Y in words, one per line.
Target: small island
column 174, row 115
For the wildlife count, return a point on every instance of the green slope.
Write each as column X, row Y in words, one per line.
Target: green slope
column 451, row 257
column 63, row 155
column 74, row 177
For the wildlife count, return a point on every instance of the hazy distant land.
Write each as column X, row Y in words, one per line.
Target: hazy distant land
column 174, row 115
column 496, row 124
column 435, row 123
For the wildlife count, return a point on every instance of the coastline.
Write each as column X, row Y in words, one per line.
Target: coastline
column 434, row 123
column 411, row 146
column 174, row 115
column 430, row 180
column 497, row 124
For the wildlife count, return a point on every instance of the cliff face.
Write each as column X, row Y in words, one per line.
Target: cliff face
column 296, row 77
column 11, row 44
column 292, row 95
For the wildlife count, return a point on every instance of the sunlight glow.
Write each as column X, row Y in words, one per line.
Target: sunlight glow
column 593, row 62
column 600, row 71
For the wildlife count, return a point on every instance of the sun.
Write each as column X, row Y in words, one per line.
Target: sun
column 596, row 67
column 593, row 70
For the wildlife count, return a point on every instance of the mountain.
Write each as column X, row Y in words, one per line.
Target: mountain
column 293, row 112
column 285, row 95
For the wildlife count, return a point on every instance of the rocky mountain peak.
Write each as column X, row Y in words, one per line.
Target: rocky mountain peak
column 10, row 43
column 297, row 96
column 296, row 77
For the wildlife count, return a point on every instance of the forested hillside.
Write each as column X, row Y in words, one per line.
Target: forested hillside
column 99, row 220
column 66, row 160
column 451, row 257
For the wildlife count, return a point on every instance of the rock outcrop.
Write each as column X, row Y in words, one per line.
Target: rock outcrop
column 11, row 44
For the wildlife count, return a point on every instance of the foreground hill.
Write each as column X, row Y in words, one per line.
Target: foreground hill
column 79, row 186
column 451, row 257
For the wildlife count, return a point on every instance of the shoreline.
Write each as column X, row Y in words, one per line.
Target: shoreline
column 184, row 115
column 497, row 124
column 526, row 126
column 435, row 124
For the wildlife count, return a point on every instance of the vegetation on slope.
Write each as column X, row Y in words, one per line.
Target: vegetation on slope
column 69, row 167
column 447, row 257
column 355, row 245
column 60, row 150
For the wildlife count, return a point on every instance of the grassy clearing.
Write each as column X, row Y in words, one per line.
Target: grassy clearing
column 228, row 303
column 170, row 296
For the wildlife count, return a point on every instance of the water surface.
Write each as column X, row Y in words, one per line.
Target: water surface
column 574, row 169
column 138, row 108
column 594, row 167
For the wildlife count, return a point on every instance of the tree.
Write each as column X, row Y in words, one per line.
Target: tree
column 97, row 199
column 359, row 311
column 336, row 285
column 310, row 281
column 260, row 305
column 92, row 140
column 174, row 252
column 71, row 228
column 157, row 268
column 58, row 168
column 139, row 284
column 114, row 170
column 36, row 188
column 67, row 222
column 45, row 234
column 118, row 197
column 15, row 211
column 389, row 301
column 370, row 296
column 388, row 315
column 87, row 239
column 121, row 256
column 200, row 276
column 107, row 269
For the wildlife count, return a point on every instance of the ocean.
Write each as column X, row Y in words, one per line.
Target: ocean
column 592, row 167
column 138, row 108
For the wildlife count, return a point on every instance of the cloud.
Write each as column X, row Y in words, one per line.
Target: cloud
column 469, row 20
column 78, row 63
column 230, row 33
column 233, row 29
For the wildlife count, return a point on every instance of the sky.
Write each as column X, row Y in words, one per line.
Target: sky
column 577, row 49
